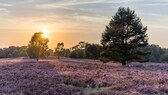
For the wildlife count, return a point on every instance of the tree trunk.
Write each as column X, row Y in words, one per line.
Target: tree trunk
column 94, row 59
column 123, row 63
column 37, row 59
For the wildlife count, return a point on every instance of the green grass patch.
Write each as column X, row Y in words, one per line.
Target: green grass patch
column 89, row 91
column 69, row 85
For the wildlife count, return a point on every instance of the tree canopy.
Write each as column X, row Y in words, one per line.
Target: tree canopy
column 124, row 34
column 37, row 47
column 59, row 50
column 13, row 51
column 78, row 51
column 93, row 51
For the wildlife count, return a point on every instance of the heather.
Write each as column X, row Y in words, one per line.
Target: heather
column 22, row 76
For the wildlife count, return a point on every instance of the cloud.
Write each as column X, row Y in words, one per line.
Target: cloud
column 157, row 4
column 70, row 3
column 91, row 19
column 4, row 12
column 50, row 6
column 5, row 5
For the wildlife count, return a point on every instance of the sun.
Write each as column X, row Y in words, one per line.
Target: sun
column 45, row 35
column 45, row 31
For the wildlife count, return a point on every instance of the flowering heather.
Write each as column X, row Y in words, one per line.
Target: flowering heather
column 23, row 76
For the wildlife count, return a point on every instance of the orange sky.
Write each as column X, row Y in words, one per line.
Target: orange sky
column 69, row 38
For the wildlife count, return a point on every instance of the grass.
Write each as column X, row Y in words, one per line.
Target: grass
column 89, row 90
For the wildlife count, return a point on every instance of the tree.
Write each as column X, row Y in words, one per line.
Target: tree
column 164, row 57
column 13, row 51
column 37, row 47
column 59, row 50
column 73, row 54
column 124, row 34
column 67, row 52
column 93, row 51
column 156, row 53
column 78, row 51
column 50, row 52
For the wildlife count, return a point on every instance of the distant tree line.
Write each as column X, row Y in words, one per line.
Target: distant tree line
column 157, row 54
column 82, row 50
column 85, row 50
column 13, row 51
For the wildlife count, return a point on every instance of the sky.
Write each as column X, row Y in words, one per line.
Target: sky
column 71, row 21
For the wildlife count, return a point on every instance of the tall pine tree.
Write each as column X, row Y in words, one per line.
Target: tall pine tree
column 123, row 36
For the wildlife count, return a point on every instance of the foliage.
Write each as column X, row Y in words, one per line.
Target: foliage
column 37, row 47
column 67, row 52
column 164, row 58
column 158, row 54
column 78, row 54
column 78, row 51
column 124, row 34
column 85, row 50
column 93, row 51
column 73, row 54
column 50, row 52
column 59, row 50
column 13, row 51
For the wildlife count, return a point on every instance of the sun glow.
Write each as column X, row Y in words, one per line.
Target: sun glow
column 45, row 31
column 45, row 35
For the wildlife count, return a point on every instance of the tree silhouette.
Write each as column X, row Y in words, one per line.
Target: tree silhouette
column 78, row 51
column 124, row 34
column 59, row 50
column 37, row 47
column 50, row 52
column 93, row 51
